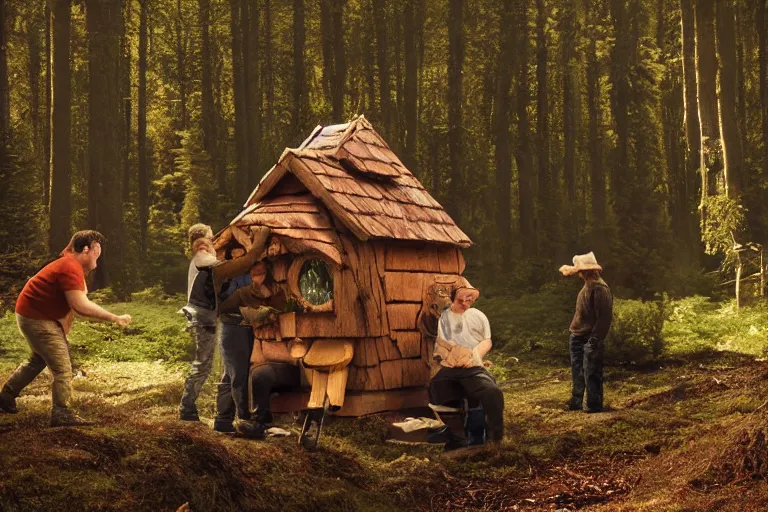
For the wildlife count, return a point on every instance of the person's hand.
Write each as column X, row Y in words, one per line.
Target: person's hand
column 487, row 364
column 123, row 321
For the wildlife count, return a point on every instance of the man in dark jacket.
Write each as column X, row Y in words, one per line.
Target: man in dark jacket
column 589, row 328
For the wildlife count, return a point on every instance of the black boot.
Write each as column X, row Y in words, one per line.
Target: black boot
column 7, row 402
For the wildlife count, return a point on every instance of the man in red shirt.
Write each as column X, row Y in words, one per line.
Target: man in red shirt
column 44, row 313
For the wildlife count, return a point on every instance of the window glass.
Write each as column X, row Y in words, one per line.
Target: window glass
column 316, row 282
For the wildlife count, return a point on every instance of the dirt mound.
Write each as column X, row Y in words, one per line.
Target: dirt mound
column 745, row 457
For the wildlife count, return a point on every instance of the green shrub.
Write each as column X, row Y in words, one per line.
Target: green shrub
column 636, row 332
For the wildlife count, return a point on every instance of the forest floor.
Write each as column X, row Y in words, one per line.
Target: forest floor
column 686, row 433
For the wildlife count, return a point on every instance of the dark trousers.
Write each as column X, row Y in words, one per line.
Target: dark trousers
column 267, row 378
column 236, row 347
column 205, row 345
column 476, row 385
column 587, row 371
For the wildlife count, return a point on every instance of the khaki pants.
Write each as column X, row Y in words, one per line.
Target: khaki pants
column 50, row 348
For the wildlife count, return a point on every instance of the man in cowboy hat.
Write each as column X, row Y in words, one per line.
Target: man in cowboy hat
column 589, row 327
column 463, row 340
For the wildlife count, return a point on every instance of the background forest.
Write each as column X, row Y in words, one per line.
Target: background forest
column 544, row 127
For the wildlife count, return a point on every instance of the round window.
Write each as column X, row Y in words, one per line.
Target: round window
column 316, row 282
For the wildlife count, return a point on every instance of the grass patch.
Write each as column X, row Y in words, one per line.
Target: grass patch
column 684, row 411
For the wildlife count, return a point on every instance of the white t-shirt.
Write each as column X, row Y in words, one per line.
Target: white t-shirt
column 467, row 329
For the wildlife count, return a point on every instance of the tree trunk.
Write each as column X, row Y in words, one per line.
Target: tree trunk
column 238, row 89
column 125, row 94
column 182, row 68
column 269, row 81
column 455, row 98
column 595, row 143
column 208, row 108
column 61, row 208
column 706, row 75
column 503, row 153
column 570, row 121
column 762, row 31
column 411, row 87
column 103, row 20
column 250, row 20
column 142, row 129
column 523, row 147
column 382, row 47
column 48, row 112
column 5, row 105
column 299, row 112
column 691, row 117
column 368, row 56
column 732, row 145
column 326, row 30
column 339, row 60
column 547, row 214
column 33, row 72
column 620, row 91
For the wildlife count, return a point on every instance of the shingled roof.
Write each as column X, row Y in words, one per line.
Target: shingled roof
column 352, row 171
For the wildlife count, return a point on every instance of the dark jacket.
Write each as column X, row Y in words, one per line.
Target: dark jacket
column 594, row 311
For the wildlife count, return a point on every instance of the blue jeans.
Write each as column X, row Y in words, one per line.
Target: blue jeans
column 236, row 347
column 587, row 371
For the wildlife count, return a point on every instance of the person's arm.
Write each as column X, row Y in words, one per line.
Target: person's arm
column 233, row 302
column 483, row 348
column 82, row 305
column 602, row 301
column 232, row 268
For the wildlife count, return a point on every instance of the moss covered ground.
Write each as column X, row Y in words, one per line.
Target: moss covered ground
column 685, row 432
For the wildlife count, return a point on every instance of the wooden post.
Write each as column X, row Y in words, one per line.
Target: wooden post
column 738, row 281
column 762, row 274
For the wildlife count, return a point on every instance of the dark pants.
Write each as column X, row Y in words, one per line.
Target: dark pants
column 267, row 378
column 236, row 347
column 205, row 345
column 476, row 385
column 587, row 372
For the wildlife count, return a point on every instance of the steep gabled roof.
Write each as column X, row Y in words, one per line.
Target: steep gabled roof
column 358, row 178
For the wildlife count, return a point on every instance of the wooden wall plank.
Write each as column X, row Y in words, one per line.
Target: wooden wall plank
column 461, row 261
column 365, row 353
column 409, row 343
column 411, row 258
column 379, row 250
column 415, row 372
column 449, row 260
column 402, row 315
column 373, row 379
column 387, row 349
column 392, row 374
column 403, row 286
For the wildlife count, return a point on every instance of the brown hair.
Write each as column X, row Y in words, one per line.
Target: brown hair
column 590, row 275
column 83, row 239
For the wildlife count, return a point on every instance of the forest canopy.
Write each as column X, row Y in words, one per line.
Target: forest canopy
column 544, row 127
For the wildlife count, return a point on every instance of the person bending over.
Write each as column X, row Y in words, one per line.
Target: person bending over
column 44, row 312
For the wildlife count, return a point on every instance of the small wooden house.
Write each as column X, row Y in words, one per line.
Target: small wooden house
column 345, row 213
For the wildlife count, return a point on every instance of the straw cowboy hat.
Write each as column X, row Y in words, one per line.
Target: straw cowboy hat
column 581, row 262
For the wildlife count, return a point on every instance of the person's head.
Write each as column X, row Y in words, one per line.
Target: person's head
column 259, row 273
column 85, row 246
column 462, row 298
column 203, row 244
column 589, row 275
column 198, row 231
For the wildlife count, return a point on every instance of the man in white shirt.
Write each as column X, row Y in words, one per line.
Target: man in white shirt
column 463, row 340
column 200, row 311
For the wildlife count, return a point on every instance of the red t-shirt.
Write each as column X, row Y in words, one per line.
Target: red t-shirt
column 43, row 296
